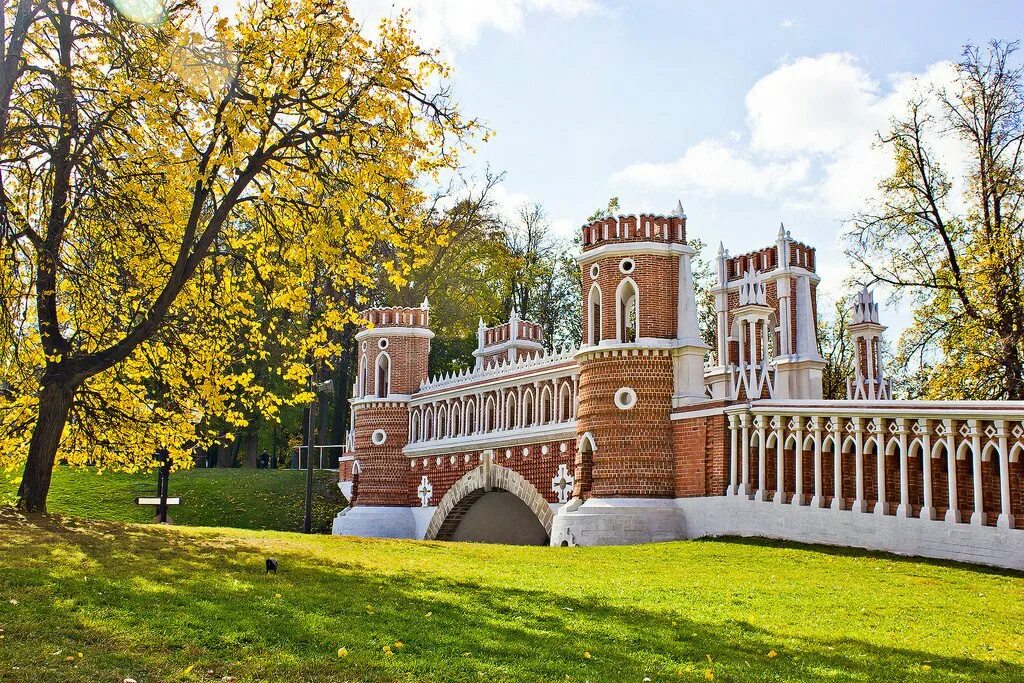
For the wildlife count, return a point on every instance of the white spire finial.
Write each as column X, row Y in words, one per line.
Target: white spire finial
column 480, row 325
column 679, row 213
column 782, row 230
column 721, row 249
column 426, row 304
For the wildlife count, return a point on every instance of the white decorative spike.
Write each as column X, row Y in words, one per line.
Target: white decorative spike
column 782, row 231
column 426, row 304
column 679, row 212
column 752, row 289
column 865, row 310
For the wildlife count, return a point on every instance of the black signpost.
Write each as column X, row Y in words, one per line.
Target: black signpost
column 161, row 501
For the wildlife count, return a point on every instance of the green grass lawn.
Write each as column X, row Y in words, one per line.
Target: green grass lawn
column 241, row 498
column 194, row 604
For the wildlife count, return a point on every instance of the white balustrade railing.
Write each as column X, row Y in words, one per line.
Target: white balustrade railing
column 898, row 451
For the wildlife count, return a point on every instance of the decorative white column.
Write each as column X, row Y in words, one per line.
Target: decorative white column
column 1005, row 519
column 733, row 445
column 780, row 463
column 798, row 471
column 953, row 511
column 745, row 437
column 761, row 494
column 837, row 465
column 819, row 499
column 859, row 504
column 927, row 510
column 882, row 504
column 905, row 509
column 978, row 516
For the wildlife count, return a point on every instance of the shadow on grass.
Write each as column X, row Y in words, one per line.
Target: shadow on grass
column 839, row 551
column 147, row 603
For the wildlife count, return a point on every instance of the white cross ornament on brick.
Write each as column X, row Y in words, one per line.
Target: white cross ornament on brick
column 425, row 491
column 562, row 483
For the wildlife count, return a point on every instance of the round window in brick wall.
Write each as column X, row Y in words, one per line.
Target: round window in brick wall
column 382, row 343
column 595, row 270
column 379, row 437
column 627, row 265
column 625, row 398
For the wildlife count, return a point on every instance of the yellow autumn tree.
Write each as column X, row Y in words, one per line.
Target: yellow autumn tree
column 956, row 249
column 177, row 189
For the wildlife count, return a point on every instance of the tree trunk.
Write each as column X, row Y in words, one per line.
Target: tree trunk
column 226, row 454
column 249, row 445
column 55, row 401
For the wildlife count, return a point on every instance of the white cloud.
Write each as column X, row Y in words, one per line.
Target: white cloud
column 812, row 139
column 716, row 168
column 815, row 104
column 458, row 24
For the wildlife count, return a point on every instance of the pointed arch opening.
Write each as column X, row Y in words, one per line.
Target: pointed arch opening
column 383, row 375
column 594, row 315
column 627, row 311
column 362, row 377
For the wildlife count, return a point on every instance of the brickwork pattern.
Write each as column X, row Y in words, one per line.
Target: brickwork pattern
column 634, row 455
column 536, row 466
column 381, row 467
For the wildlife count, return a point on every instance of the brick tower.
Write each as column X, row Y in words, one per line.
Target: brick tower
column 393, row 352
column 767, row 326
column 641, row 356
column 868, row 382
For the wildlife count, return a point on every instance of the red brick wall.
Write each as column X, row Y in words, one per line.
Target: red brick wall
column 657, row 281
column 701, row 447
column 634, row 456
column 536, row 467
column 382, row 468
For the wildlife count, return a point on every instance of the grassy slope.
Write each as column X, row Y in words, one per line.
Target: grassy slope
column 246, row 499
column 172, row 604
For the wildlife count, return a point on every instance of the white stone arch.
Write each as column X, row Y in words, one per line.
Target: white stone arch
column 428, row 423
column 586, row 439
column 490, row 414
column 511, row 411
column 772, row 439
column 828, row 444
column 791, row 442
column 990, row 448
column 1015, row 452
column 594, row 312
column 470, row 488
column 963, row 448
column 565, row 404
column 939, row 449
column 627, row 301
column 441, row 421
column 382, row 375
column 916, row 448
column 849, row 444
column 414, row 426
column 809, row 441
column 456, row 421
column 469, row 419
column 528, row 410
column 893, row 448
column 363, row 364
column 545, row 408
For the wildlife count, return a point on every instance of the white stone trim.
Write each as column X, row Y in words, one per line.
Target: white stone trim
column 394, row 332
column 619, row 249
column 693, row 414
column 494, row 439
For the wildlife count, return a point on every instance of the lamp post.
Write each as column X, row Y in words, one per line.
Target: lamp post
column 319, row 388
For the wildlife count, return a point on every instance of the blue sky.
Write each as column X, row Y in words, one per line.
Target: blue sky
column 751, row 113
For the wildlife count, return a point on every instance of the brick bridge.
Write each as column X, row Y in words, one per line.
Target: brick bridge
column 646, row 433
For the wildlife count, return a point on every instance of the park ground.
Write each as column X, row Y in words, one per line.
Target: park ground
column 93, row 600
column 240, row 498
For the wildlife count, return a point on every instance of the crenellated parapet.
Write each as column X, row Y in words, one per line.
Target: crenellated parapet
column 644, row 227
column 507, row 342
